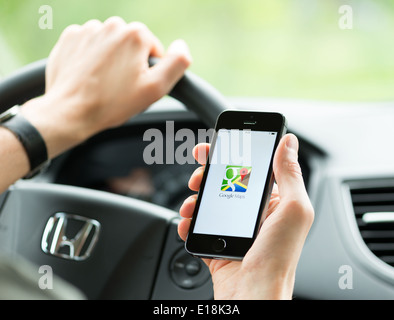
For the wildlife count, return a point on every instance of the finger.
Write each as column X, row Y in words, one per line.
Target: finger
column 139, row 34
column 273, row 203
column 93, row 24
column 71, row 30
column 114, row 20
column 287, row 170
column 200, row 152
column 69, row 34
column 171, row 66
column 196, row 178
column 154, row 45
column 183, row 228
column 135, row 33
column 275, row 191
column 187, row 208
column 183, row 231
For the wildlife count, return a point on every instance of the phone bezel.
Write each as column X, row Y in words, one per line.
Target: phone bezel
column 199, row 244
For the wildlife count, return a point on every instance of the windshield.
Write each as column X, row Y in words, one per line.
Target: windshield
column 308, row 49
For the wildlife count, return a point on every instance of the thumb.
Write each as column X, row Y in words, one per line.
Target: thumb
column 287, row 170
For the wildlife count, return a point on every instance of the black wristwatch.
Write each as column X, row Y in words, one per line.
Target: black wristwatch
column 30, row 138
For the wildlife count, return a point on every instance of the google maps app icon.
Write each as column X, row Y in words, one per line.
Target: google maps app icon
column 236, row 178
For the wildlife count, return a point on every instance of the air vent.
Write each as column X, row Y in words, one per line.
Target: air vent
column 374, row 210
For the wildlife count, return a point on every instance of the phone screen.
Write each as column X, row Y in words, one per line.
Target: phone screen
column 231, row 199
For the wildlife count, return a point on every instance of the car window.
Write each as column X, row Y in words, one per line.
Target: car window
column 305, row 49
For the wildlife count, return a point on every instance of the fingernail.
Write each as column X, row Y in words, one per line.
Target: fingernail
column 292, row 142
column 189, row 199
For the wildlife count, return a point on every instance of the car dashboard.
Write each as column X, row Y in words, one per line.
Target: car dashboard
column 346, row 156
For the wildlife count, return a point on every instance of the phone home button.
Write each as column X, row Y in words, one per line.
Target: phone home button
column 219, row 245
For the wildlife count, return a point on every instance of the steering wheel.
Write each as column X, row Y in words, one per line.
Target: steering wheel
column 107, row 245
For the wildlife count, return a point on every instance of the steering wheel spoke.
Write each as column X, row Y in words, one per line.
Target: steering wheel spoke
column 127, row 246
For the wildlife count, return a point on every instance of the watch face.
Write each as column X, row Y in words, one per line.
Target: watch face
column 9, row 114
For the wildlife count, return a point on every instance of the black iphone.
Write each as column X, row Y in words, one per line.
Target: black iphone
column 236, row 185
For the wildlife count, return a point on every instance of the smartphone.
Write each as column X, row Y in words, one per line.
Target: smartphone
column 236, row 184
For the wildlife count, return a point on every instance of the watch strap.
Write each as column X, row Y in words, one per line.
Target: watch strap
column 31, row 140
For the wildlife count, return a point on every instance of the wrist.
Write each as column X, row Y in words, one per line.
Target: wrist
column 268, row 283
column 57, row 122
column 273, row 287
column 279, row 287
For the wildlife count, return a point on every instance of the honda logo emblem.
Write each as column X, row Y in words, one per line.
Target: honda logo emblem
column 70, row 236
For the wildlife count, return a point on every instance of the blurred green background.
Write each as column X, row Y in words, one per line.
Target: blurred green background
column 271, row 48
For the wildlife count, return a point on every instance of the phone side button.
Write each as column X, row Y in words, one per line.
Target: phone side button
column 219, row 245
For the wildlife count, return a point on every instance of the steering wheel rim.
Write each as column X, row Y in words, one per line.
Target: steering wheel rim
column 27, row 207
column 195, row 93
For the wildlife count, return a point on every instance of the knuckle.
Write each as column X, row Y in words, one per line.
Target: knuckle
column 71, row 30
column 114, row 22
column 136, row 31
column 301, row 210
column 92, row 24
column 137, row 26
column 294, row 168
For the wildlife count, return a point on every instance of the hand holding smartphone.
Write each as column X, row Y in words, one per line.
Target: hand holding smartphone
column 236, row 184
